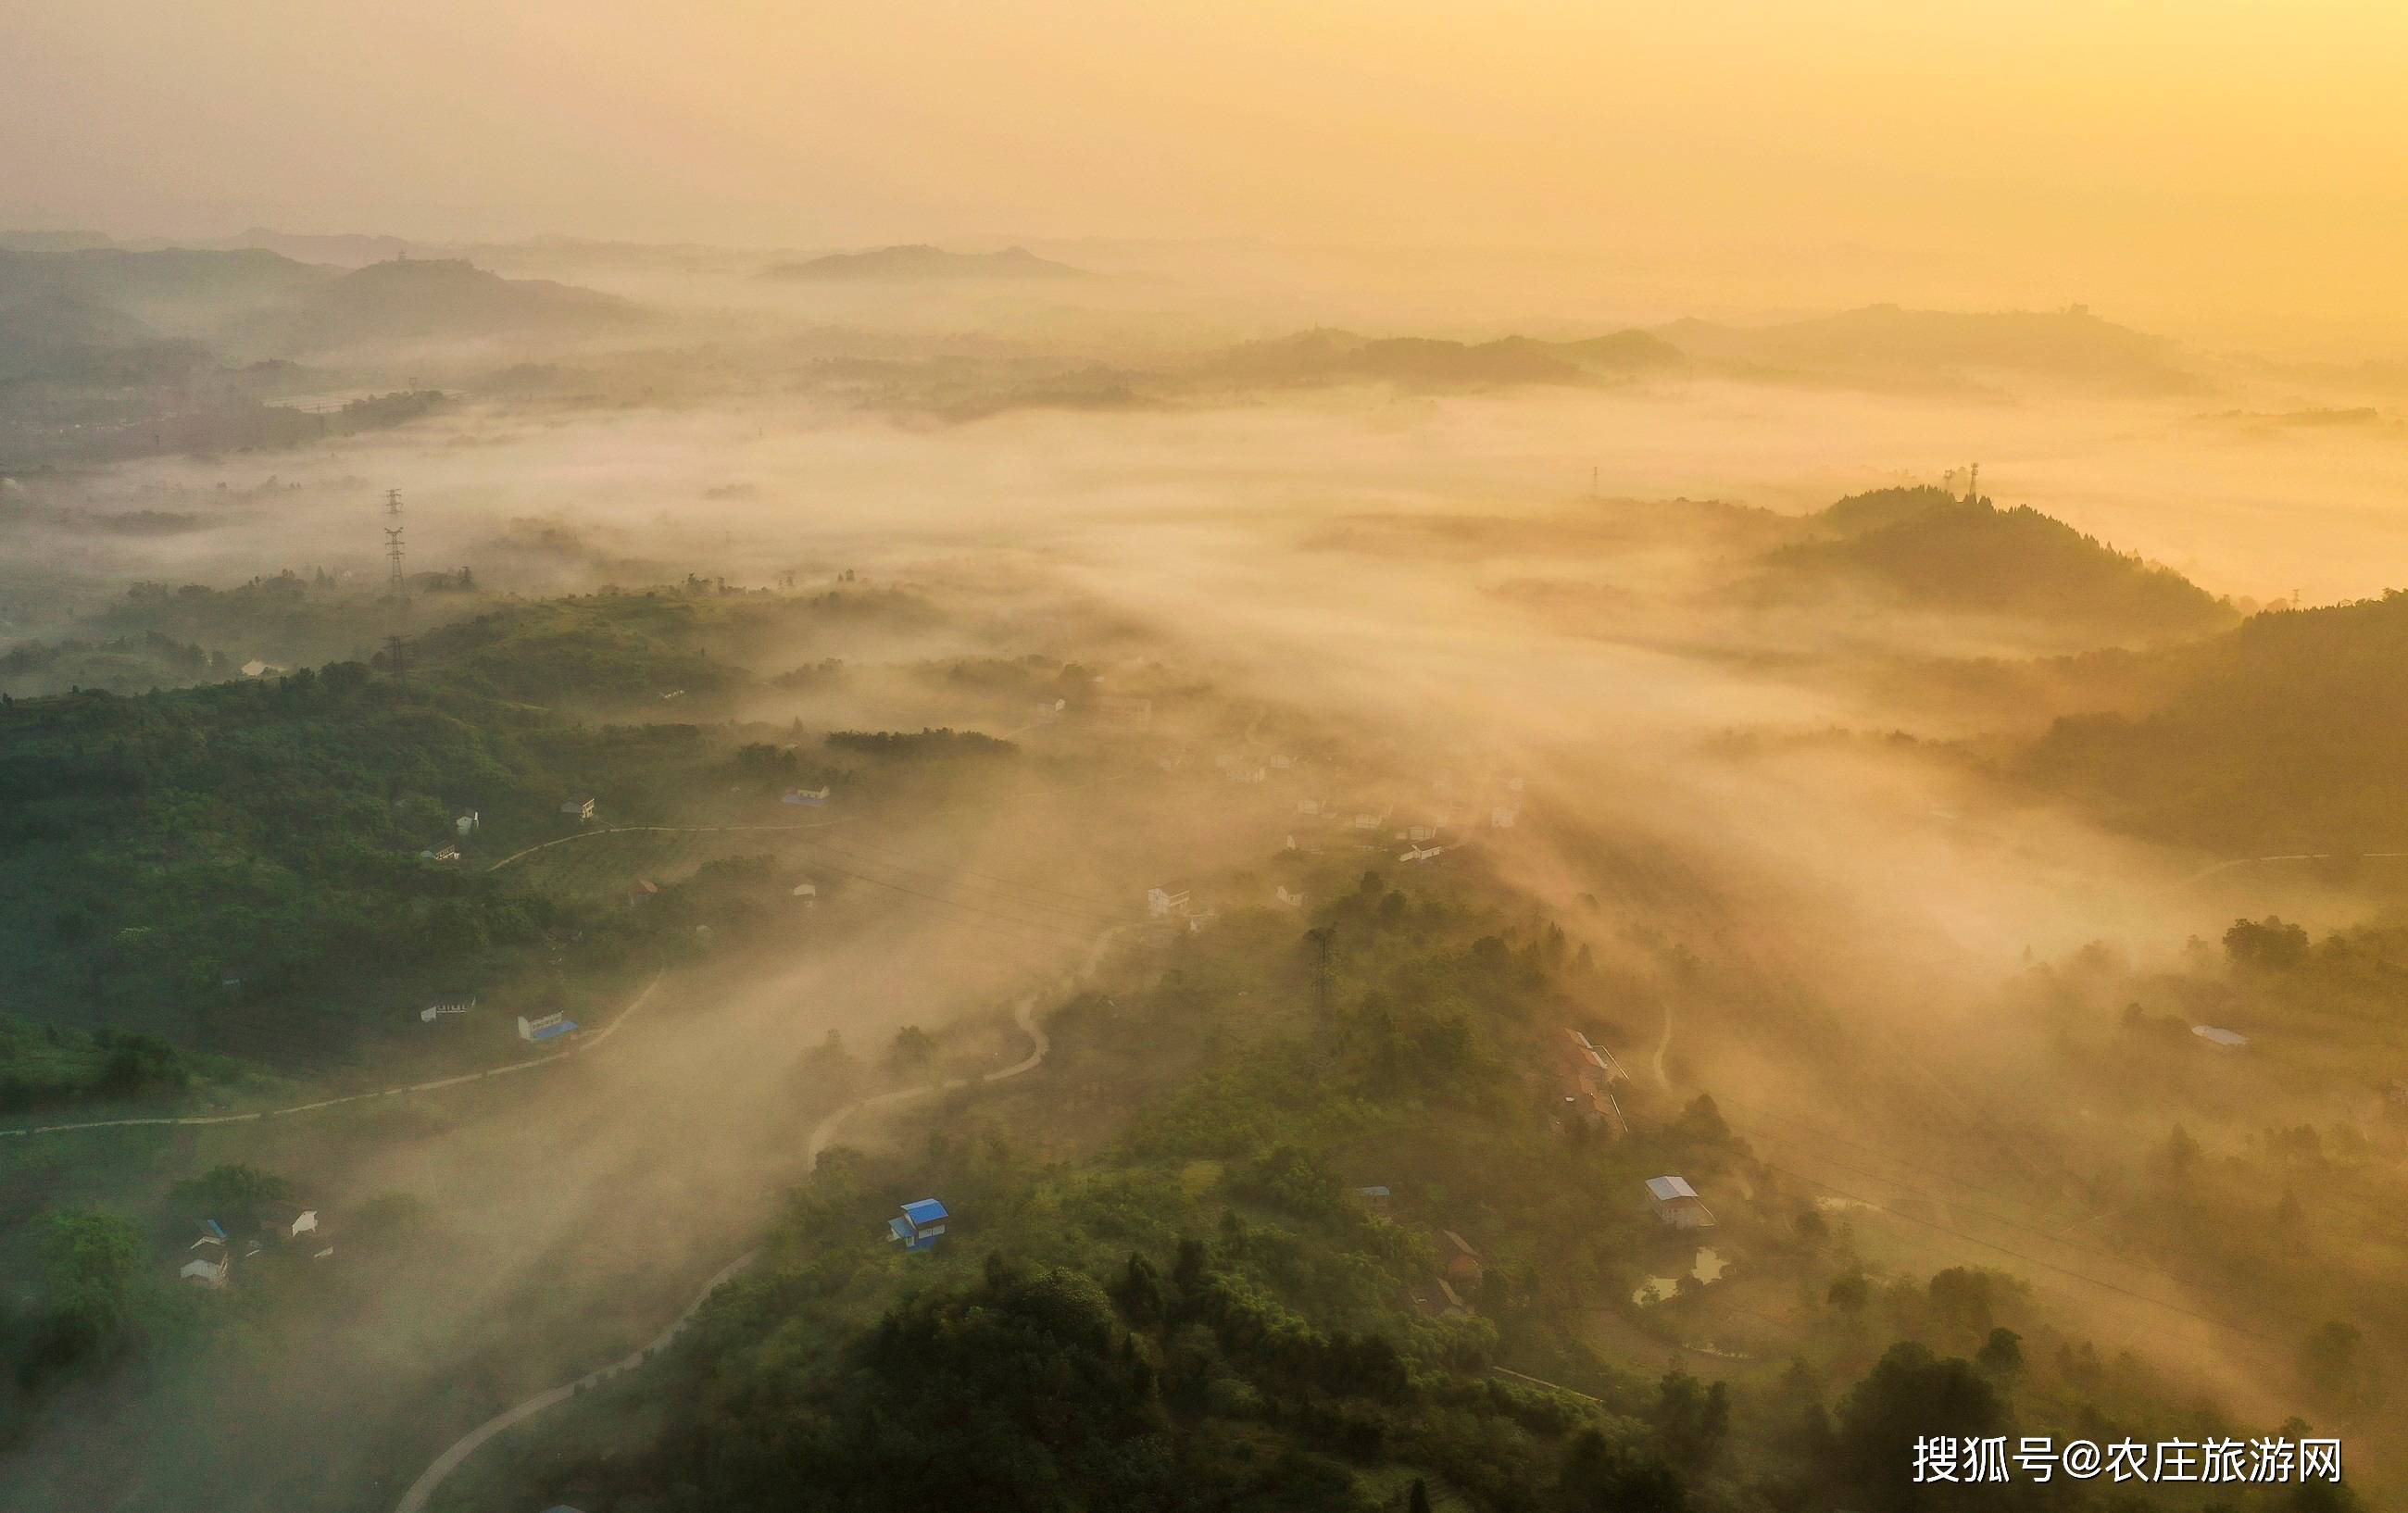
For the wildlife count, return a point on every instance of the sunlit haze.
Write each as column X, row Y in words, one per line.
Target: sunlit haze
column 1203, row 758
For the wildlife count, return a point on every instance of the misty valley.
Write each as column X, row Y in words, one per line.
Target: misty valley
column 646, row 879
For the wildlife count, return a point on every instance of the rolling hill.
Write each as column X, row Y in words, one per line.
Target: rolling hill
column 2288, row 732
column 183, row 290
column 1926, row 550
column 429, row 298
column 50, row 336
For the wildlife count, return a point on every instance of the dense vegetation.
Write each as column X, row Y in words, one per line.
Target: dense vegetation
column 174, row 859
column 167, row 851
column 1198, row 1308
column 2288, row 732
column 149, row 660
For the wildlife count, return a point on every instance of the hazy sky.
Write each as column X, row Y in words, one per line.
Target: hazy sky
column 2212, row 154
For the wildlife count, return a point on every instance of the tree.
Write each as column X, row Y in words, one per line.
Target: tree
column 1692, row 1420
column 1602, row 1477
column 91, row 1272
column 2328, row 1359
column 1188, row 1271
column 232, row 1192
column 1960, row 1299
column 2002, row 1354
column 1139, row 1292
column 1910, row 1394
column 137, row 1063
column 2268, row 944
column 1849, row 1294
column 2181, row 1152
column 828, row 1072
column 912, row 1053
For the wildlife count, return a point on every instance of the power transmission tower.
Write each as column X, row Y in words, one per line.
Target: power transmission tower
column 1321, row 940
column 392, row 544
column 1973, row 482
column 394, row 647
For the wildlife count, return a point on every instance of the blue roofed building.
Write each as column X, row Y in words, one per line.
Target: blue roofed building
column 550, row 1027
column 924, row 1219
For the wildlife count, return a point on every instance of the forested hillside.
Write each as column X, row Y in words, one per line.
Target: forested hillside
column 2290, row 731
column 167, row 851
column 1242, row 1286
column 1924, row 549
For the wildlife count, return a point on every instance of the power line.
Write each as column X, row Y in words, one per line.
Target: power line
column 1816, row 1132
column 1047, row 926
column 2029, row 1260
column 2126, row 1258
column 995, row 884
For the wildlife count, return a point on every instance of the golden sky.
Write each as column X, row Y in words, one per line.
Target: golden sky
column 2227, row 155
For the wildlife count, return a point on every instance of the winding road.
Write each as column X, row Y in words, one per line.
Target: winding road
column 2205, row 873
column 821, row 1136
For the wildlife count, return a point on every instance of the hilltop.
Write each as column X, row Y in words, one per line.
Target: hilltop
column 1925, row 549
column 924, row 263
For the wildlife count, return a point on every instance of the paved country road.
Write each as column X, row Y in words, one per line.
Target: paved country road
column 1024, row 1014
column 578, row 1047
column 660, row 829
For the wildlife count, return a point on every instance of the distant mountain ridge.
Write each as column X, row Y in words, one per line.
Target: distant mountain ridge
column 1888, row 342
column 921, row 262
column 1329, row 355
